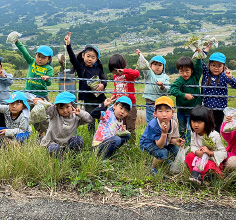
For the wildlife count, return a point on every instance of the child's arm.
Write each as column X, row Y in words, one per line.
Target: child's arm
column 198, row 69
column 96, row 113
column 103, row 84
column 177, row 141
column 24, row 52
column 162, row 141
column 230, row 79
column 84, row 116
column 227, row 135
column 131, row 74
column 165, row 88
column 6, row 77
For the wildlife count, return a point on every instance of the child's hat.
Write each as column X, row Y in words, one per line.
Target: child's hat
column 159, row 59
column 65, row 98
column 125, row 99
column 15, row 96
column 219, row 57
column 164, row 100
column 1, row 59
column 45, row 50
column 94, row 47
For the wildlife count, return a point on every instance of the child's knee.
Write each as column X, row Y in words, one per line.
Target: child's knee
column 161, row 153
column 53, row 148
column 231, row 163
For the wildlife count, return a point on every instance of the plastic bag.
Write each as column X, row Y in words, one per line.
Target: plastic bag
column 176, row 166
column 12, row 38
column 30, row 97
column 38, row 113
column 230, row 126
column 142, row 63
column 122, row 133
column 204, row 161
column 93, row 84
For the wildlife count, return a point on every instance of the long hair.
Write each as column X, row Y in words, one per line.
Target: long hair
column 202, row 113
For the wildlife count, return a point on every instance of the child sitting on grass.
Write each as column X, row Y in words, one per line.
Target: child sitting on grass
column 64, row 119
column 109, row 136
column 161, row 136
column 16, row 117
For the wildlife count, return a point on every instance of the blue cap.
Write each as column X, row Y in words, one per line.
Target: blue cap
column 219, row 57
column 94, row 47
column 1, row 59
column 45, row 50
column 125, row 99
column 15, row 96
column 65, row 97
column 159, row 59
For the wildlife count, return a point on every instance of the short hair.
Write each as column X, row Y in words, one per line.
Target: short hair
column 117, row 62
column 184, row 62
column 159, row 107
column 202, row 113
column 124, row 105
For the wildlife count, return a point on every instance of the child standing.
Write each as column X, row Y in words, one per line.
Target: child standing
column 5, row 82
column 161, row 136
column 64, row 119
column 189, row 75
column 202, row 123
column 216, row 74
column 156, row 75
column 16, row 117
column 107, row 139
column 230, row 137
column 87, row 65
column 117, row 65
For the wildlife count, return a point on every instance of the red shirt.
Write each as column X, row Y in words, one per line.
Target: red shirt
column 128, row 75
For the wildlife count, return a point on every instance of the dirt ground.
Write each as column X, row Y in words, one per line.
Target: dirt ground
column 35, row 204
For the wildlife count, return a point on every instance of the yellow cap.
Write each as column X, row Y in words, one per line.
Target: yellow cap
column 164, row 100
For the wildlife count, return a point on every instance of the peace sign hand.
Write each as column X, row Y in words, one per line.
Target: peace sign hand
column 76, row 110
column 67, row 38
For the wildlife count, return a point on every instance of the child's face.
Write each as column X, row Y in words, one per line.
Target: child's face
column 90, row 57
column 164, row 114
column 64, row 110
column 119, row 111
column 198, row 127
column 16, row 107
column 185, row 72
column 157, row 67
column 42, row 60
column 216, row 68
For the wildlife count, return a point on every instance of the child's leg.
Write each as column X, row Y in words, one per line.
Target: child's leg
column 53, row 148
column 219, row 117
column 76, row 143
column 130, row 122
column 231, row 163
column 20, row 137
column 173, row 150
column 184, row 126
column 149, row 112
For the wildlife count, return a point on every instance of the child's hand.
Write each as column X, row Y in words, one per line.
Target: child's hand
column 35, row 100
column 205, row 149
column 159, row 83
column 108, row 102
column 228, row 73
column 45, row 78
column 189, row 96
column 100, row 87
column 138, row 52
column 113, row 97
column 180, row 142
column 123, row 128
column 1, row 72
column 2, row 132
column 164, row 128
column 119, row 72
column 67, row 38
column 76, row 110
column 228, row 119
column 208, row 47
column 198, row 49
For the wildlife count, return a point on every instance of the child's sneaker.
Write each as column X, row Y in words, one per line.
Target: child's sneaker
column 196, row 177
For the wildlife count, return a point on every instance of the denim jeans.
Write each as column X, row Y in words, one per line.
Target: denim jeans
column 184, row 126
column 162, row 153
column 149, row 112
column 110, row 145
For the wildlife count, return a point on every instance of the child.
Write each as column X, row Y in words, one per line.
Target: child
column 156, row 75
column 202, row 123
column 88, row 65
column 216, row 74
column 117, row 65
column 230, row 137
column 16, row 117
column 5, row 82
column 106, row 138
column 64, row 119
column 161, row 135
column 189, row 75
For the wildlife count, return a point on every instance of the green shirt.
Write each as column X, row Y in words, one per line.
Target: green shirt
column 179, row 91
column 36, row 71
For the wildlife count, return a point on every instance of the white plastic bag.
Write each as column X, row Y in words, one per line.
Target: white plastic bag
column 230, row 126
column 142, row 63
column 12, row 38
column 176, row 166
column 204, row 161
column 38, row 113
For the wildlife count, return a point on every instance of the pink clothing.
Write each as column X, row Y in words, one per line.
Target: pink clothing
column 230, row 137
column 128, row 75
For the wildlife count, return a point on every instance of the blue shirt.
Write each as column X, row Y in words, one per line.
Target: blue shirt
column 153, row 132
column 216, row 102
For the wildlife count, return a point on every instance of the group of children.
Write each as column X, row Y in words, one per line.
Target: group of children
column 162, row 136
